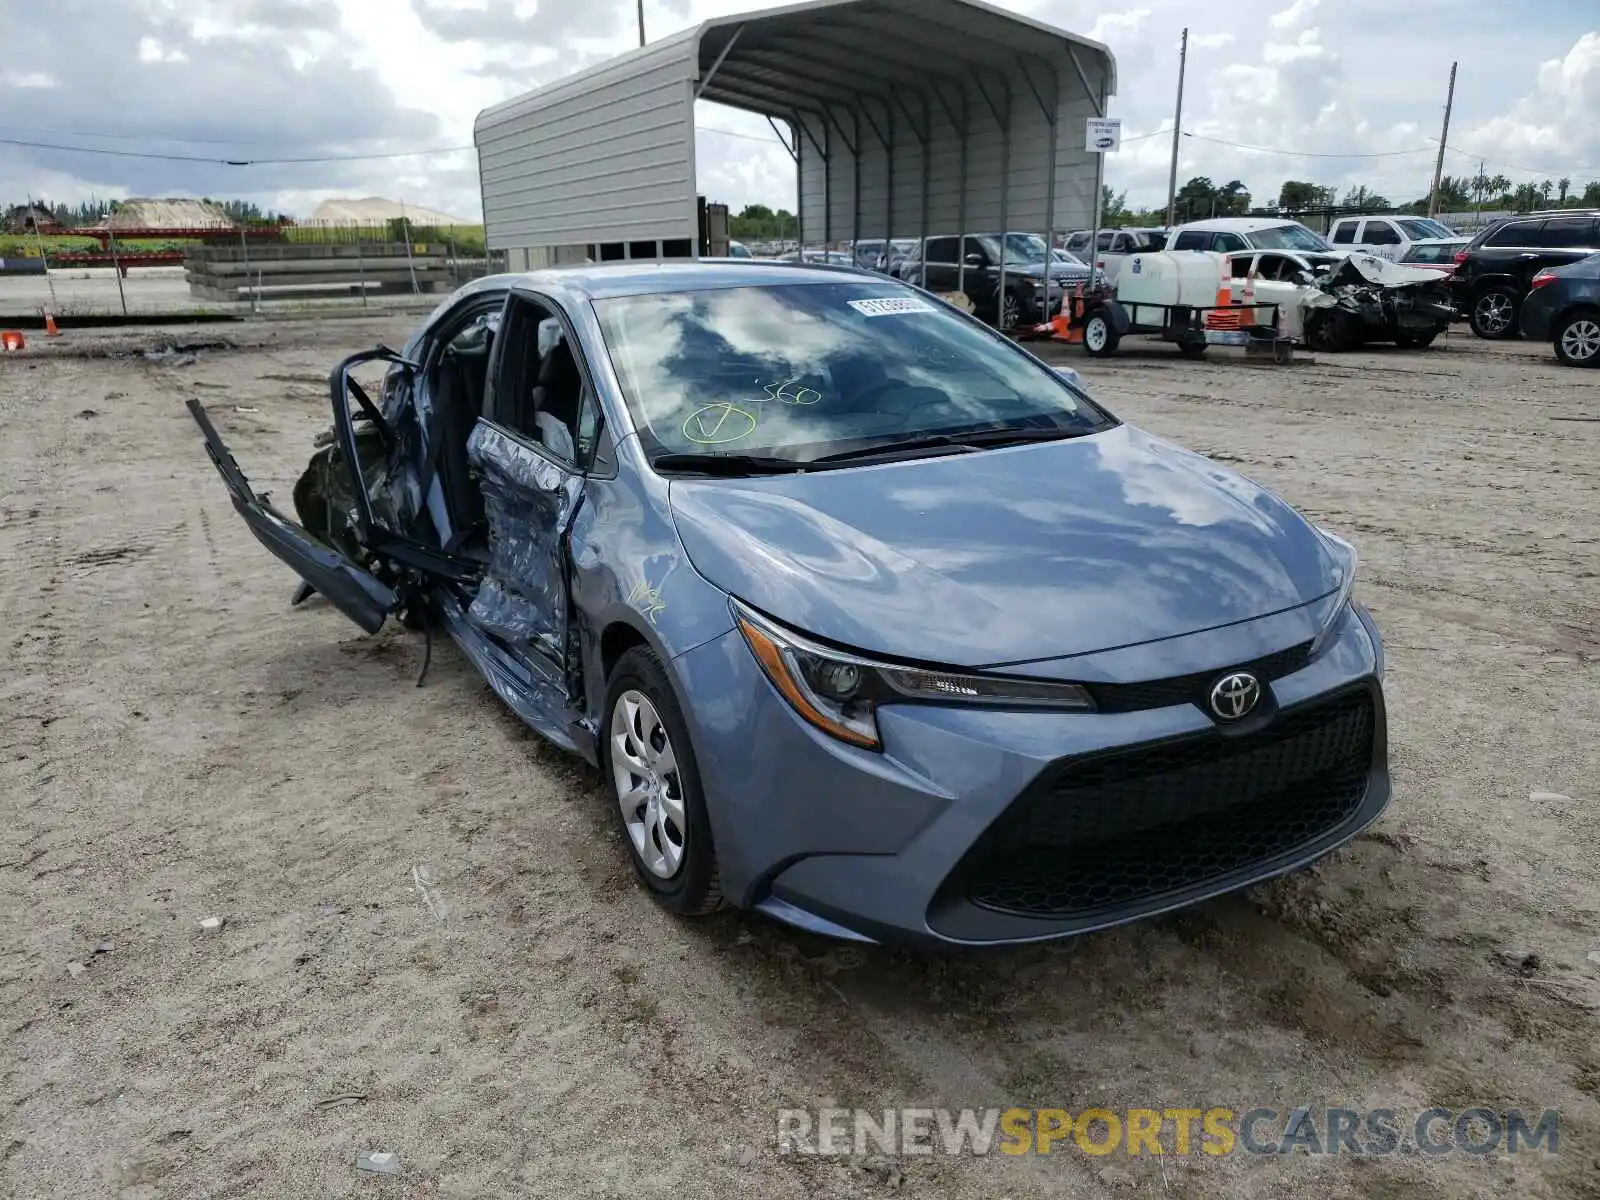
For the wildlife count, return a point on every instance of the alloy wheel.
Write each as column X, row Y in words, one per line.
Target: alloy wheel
column 1010, row 312
column 1580, row 340
column 644, row 772
column 1494, row 313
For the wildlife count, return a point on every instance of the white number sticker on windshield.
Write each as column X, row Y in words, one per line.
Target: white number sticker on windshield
column 891, row 306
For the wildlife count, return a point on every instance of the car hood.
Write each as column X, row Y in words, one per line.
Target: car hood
column 1058, row 271
column 1007, row 555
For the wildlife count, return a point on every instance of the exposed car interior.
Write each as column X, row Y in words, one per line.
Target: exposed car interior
column 536, row 394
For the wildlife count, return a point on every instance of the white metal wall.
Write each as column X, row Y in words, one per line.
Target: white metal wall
column 1025, row 198
column 604, row 156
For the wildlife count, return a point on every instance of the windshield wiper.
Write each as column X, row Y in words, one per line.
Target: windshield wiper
column 727, row 464
column 961, row 442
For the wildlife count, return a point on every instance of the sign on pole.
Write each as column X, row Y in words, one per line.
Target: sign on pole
column 1102, row 135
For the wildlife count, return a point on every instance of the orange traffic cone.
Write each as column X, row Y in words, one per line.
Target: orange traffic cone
column 1250, row 287
column 50, row 329
column 12, row 339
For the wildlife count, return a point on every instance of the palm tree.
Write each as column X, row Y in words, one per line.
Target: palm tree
column 1563, row 186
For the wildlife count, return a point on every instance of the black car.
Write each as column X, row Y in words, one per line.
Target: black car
column 1496, row 269
column 1029, row 298
column 1563, row 306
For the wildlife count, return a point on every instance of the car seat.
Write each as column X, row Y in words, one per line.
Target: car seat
column 559, row 390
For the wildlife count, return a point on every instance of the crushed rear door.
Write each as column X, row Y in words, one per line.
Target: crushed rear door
column 356, row 592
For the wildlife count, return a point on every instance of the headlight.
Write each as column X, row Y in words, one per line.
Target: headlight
column 839, row 693
column 1345, row 554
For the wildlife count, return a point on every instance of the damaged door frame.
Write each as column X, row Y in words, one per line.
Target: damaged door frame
column 570, row 665
column 403, row 552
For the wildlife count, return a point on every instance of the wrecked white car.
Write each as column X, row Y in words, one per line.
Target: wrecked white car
column 1338, row 302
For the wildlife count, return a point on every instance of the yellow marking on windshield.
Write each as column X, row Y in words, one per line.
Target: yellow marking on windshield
column 718, row 424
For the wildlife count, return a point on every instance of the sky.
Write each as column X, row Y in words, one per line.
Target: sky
column 1306, row 83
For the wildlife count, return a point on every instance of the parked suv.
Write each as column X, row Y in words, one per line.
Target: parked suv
column 1495, row 270
column 1026, row 299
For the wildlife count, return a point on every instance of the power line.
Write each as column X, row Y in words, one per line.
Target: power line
column 1546, row 171
column 1308, row 153
column 230, row 162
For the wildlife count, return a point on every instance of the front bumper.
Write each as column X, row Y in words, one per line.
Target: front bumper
column 1535, row 319
column 980, row 827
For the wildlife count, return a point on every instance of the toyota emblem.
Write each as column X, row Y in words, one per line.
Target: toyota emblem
column 1235, row 695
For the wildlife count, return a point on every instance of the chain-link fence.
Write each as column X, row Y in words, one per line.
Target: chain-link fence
column 260, row 268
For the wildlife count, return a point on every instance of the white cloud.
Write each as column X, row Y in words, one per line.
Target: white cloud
column 27, row 79
column 152, row 51
column 1297, row 13
column 1112, row 26
column 1302, row 79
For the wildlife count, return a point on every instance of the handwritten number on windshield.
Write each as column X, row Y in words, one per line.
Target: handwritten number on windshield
column 787, row 393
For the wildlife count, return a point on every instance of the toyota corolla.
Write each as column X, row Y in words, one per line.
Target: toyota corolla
column 870, row 619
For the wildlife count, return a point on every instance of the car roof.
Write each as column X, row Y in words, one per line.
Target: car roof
column 1242, row 224
column 1237, row 224
column 598, row 281
column 1462, row 237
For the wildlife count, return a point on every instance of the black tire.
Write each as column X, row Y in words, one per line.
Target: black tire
column 1495, row 311
column 1577, row 338
column 695, row 889
column 1100, row 336
column 1328, row 330
column 1415, row 341
column 1193, row 349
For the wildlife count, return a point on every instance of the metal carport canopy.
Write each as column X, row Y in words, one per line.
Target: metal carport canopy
column 905, row 118
column 917, row 117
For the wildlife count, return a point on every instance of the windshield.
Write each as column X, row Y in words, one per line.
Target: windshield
column 1066, row 256
column 1287, row 237
column 1435, row 252
column 1426, row 227
column 804, row 370
column 1020, row 247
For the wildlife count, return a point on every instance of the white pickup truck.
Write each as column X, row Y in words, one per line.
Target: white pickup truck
column 1388, row 236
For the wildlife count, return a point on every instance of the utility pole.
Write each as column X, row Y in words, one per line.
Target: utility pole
column 1177, row 126
column 641, row 22
column 1444, row 136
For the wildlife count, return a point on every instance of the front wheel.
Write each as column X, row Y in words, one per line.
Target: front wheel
column 1494, row 313
column 1577, row 340
column 649, row 763
column 1100, row 336
column 1328, row 330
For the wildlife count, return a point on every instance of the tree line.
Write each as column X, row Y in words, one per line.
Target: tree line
column 94, row 210
column 1200, row 198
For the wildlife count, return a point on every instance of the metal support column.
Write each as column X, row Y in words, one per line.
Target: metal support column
column 1052, row 114
column 961, row 220
column 1002, row 119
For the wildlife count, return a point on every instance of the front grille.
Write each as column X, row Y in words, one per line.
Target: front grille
column 1184, row 689
column 1123, row 828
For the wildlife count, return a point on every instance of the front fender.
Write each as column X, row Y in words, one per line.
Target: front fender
column 630, row 569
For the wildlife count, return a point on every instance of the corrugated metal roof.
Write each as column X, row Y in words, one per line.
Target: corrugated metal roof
column 909, row 117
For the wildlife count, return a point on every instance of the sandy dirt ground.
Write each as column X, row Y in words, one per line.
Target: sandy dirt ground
column 432, row 944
